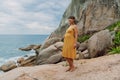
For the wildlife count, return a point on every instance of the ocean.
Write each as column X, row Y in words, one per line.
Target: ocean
column 10, row 44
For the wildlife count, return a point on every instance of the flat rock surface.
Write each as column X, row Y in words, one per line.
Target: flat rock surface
column 102, row 68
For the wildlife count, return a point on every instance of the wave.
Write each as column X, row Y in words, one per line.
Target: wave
column 4, row 60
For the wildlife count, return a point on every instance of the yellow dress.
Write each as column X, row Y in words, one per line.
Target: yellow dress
column 68, row 50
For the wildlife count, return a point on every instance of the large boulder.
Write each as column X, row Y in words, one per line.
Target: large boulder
column 92, row 15
column 59, row 45
column 48, row 52
column 49, row 42
column 8, row 66
column 54, row 59
column 99, row 42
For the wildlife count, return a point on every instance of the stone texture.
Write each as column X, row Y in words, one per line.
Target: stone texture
column 83, row 46
column 92, row 15
column 49, row 42
column 48, row 52
column 59, row 45
column 102, row 68
column 99, row 42
column 8, row 66
column 30, row 61
column 86, row 54
column 54, row 59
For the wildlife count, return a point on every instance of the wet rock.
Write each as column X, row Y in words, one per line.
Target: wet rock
column 8, row 66
column 30, row 47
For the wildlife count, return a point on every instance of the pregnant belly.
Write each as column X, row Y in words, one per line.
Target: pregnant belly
column 69, row 39
column 69, row 36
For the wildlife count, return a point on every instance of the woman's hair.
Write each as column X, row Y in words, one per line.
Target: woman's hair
column 72, row 17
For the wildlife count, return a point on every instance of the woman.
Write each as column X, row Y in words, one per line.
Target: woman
column 70, row 40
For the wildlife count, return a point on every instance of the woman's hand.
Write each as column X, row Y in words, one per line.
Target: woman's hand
column 75, row 45
column 63, row 39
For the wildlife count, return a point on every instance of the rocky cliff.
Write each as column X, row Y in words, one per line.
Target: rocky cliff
column 92, row 15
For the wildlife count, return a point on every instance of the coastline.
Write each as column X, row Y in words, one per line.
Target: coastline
column 15, row 59
column 13, row 53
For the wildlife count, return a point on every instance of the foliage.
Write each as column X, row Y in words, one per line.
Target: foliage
column 116, row 24
column 83, row 38
column 117, row 39
column 115, row 50
column 116, row 47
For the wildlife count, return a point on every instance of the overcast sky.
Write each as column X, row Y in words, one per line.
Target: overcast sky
column 31, row 16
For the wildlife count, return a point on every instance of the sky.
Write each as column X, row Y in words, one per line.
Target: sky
column 31, row 16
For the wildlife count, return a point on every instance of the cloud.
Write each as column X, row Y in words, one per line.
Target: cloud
column 31, row 16
column 39, row 28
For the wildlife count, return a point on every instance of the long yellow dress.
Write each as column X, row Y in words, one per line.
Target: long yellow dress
column 68, row 50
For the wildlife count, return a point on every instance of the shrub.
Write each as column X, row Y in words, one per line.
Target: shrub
column 83, row 38
column 116, row 24
column 116, row 47
column 115, row 50
column 117, row 39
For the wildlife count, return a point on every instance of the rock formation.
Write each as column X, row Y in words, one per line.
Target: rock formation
column 50, row 53
column 92, row 15
column 8, row 66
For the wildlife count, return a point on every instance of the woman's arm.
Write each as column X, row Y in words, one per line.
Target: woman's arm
column 63, row 39
column 76, row 35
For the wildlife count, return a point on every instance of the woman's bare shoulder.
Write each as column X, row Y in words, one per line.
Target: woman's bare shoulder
column 75, row 26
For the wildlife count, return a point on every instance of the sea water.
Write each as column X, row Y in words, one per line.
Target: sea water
column 10, row 44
